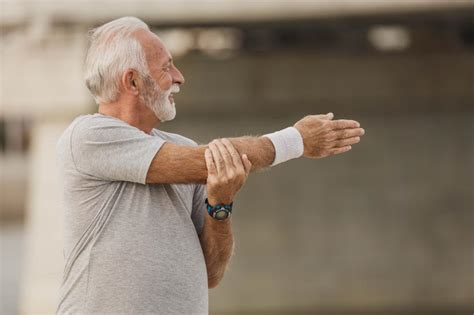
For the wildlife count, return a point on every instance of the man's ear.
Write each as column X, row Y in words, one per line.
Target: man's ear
column 130, row 82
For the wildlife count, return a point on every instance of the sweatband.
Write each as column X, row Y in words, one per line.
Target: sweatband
column 288, row 144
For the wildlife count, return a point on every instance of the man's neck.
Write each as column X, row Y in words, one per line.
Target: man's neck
column 135, row 115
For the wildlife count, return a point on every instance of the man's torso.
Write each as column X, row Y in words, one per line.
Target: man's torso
column 129, row 247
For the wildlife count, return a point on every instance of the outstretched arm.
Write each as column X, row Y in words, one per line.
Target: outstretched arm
column 185, row 164
column 321, row 135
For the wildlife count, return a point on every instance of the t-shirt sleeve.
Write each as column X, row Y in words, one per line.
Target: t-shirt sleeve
column 199, row 207
column 112, row 150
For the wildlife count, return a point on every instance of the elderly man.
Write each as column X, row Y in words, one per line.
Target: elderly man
column 147, row 212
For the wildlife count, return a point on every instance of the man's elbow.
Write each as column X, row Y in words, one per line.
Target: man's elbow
column 213, row 282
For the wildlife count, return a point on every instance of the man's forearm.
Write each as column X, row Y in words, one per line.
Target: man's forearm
column 217, row 244
column 185, row 164
column 259, row 150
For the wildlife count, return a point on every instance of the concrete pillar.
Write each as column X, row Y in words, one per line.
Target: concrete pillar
column 43, row 258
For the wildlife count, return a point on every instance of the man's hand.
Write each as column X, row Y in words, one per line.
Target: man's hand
column 323, row 136
column 227, row 171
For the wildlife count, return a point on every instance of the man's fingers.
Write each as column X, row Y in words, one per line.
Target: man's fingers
column 334, row 151
column 211, row 167
column 349, row 133
column 247, row 164
column 218, row 160
column 224, row 153
column 344, row 124
column 347, row 142
column 233, row 153
column 328, row 116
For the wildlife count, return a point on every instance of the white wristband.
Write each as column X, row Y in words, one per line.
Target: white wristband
column 288, row 144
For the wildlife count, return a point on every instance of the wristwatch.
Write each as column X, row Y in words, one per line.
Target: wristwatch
column 220, row 211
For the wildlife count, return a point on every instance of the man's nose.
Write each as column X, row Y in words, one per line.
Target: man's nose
column 178, row 77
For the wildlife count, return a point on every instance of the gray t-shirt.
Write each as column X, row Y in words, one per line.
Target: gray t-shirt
column 130, row 247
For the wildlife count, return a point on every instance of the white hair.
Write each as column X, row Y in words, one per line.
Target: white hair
column 112, row 50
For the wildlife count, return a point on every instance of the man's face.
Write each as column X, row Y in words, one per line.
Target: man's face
column 160, row 102
column 164, row 78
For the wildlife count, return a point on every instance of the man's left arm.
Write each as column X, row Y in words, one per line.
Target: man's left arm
column 227, row 172
column 217, row 244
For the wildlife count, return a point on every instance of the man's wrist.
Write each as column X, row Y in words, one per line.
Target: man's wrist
column 214, row 201
column 288, row 144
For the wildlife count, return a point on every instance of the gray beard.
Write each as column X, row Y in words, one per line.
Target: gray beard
column 158, row 101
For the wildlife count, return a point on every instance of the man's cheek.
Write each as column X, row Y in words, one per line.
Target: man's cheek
column 165, row 82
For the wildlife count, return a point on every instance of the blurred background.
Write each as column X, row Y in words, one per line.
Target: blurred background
column 384, row 229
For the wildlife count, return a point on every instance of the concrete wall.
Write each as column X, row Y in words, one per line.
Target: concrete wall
column 297, row 82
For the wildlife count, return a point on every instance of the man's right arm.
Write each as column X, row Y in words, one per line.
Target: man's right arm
column 321, row 136
column 186, row 164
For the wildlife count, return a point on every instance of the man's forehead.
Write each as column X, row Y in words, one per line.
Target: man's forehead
column 152, row 45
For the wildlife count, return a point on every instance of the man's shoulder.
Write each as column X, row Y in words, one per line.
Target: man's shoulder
column 86, row 121
column 174, row 137
column 91, row 126
column 66, row 135
column 102, row 127
column 97, row 121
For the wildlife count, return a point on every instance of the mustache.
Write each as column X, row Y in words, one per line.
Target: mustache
column 175, row 88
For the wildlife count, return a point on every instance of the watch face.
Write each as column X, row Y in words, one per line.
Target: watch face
column 221, row 214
